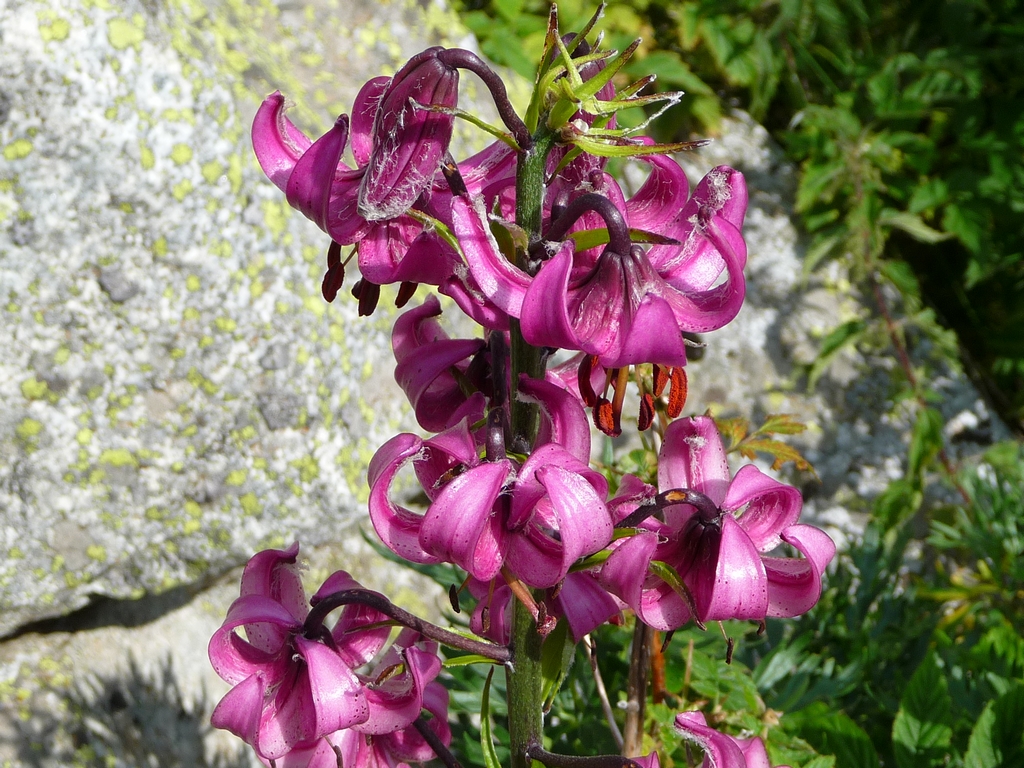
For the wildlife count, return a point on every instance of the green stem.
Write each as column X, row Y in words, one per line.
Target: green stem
column 523, row 675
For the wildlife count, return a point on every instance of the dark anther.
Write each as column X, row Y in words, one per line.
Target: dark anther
column 583, row 380
column 368, row 295
column 730, row 644
column 453, row 598
column 453, row 176
column 660, row 379
column 405, row 292
column 605, row 418
column 335, row 276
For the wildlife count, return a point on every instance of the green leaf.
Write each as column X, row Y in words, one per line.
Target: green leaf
column 925, row 442
column 900, row 274
column 556, row 656
column 922, row 732
column 896, row 504
column 486, row 741
column 671, row 70
column 997, row 740
column 834, row 733
column 843, row 336
column 913, row 226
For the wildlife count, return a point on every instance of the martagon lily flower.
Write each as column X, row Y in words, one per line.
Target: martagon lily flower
column 537, row 519
column 290, row 689
column 715, row 535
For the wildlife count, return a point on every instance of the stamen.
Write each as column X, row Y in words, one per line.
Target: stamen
column 583, row 380
column 405, row 292
column 677, row 392
column 335, row 275
column 368, row 295
column 660, row 379
column 646, row 417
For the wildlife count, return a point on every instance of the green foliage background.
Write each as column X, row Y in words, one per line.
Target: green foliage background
column 906, row 120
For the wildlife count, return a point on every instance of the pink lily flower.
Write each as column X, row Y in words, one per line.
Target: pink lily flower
column 537, row 519
column 720, row 749
column 290, row 689
column 715, row 534
column 625, row 305
column 324, row 189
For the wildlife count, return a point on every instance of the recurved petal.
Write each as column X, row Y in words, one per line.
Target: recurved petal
column 721, row 750
column 492, row 617
column 463, row 527
column 693, row 457
column 660, row 198
column 563, row 420
column 278, row 144
column 771, row 506
column 651, row 336
column 794, row 586
column 239, row 710
column 754, row 753
column 407, row 744
column 544, row 311
column 268, row 625
column 337, row 695
column 311, row 181
column 395, row 703
column 500, row 281
column 585, row 604
column 273, row 573
column 728, row 579
column 397, row 527
column 625, row 575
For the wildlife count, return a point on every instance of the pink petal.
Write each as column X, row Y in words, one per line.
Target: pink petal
column 692, row 457
column 278, row 144
column 563, row 420
column 664, row 192
column 309, row 185
column 794, row 586
column 585, row 604
column 239, row 710
column 721, row 750
column 364, row 109
column 397, row 702
column 652, row 336
column 771, row 506
column 273, row 573
column 397, row 527
column 727, row 578
column 500, row 281
column 754, row 753
column 461, row 525
column 544, row 311
column 266, row 622
column 625, row 575
column 407, row 744
column 337, row 695
column 496, row 599
column 356, row 644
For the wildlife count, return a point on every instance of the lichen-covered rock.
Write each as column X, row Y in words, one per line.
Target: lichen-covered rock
column 174, row 392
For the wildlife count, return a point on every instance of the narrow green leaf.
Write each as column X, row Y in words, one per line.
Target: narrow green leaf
column 843, row 336
column 556, row 656
column 912, row 225
column 465, row 661
column 925, row 441
column 486, row 741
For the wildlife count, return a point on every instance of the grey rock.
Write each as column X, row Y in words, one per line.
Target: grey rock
column 280, row 410
column 118, row 287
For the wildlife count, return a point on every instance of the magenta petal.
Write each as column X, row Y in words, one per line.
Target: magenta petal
column 662, row 195
column 407, row 744
column 397, row 702
column 336, row 693
column 693, row 457
column 496, row 600
column 585, row 604
column 397, row 527
column 545, row 311
column 563, row 419
column 364, row 109
column 266, row 622
column 794, row 586
column 653, row 336
column 625, row 574
column 754, row 753
column 239, row 710
column 273, row 573
column 648, row 761
column 310, row 183
column 462, row 526
column 721, row 750
column 278, row 144
column 728, row 579
column 318, row 755
column 500, row 281
column 772, row 508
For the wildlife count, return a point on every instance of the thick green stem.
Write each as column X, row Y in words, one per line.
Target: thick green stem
column 523, row 675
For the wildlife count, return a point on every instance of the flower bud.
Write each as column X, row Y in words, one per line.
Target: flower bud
column 409, row 141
